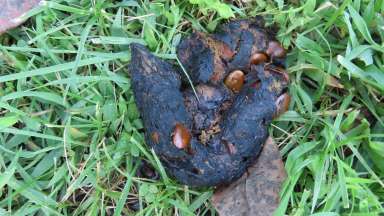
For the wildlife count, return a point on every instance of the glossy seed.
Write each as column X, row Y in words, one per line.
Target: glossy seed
column 258, row 58
column 282, row 104
column 235, row 80
column 181, row 136
column 275, row 50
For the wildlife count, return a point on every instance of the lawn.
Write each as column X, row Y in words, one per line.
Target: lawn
column 71, row 138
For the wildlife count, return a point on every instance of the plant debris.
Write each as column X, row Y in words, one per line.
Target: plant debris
column 211, row 139
column 11, row 12
column 256, row 193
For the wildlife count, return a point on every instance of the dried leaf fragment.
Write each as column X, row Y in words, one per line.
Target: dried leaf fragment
column 11, row 12
column 256, row 193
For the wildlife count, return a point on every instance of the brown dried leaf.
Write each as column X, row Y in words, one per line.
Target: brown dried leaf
column 257, row 191
column 11, row 12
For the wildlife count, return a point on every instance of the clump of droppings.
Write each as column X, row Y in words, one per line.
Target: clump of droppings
column 208, row 135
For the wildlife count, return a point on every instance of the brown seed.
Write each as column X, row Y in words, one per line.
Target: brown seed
column 235, row 80
column 282, row 104
column 275, row 50
column 258, row 58
column 155, row 137
column 181, row 136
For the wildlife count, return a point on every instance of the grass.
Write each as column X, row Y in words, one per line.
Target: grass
column 71, row 137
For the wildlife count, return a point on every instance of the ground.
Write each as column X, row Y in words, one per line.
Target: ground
column 71, row 140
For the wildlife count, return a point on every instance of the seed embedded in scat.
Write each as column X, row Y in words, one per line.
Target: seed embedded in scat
column 181, row 136
column 235, row 80
column 258, row 58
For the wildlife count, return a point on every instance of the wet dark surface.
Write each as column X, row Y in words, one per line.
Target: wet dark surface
column 210, row 141
column 12, row 10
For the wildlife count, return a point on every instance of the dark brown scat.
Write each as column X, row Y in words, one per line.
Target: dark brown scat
column 192, row 151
